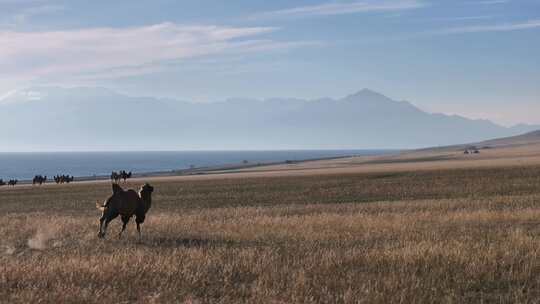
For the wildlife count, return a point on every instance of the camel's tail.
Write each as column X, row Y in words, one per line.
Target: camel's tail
column 100, row 206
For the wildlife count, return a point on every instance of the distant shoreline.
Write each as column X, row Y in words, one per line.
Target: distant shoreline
column 208, row 170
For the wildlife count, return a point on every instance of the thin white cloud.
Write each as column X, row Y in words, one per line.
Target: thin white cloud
column 465, row 18
column 20, row 1
column 6, row 95
column 491, row 2
column 30, row 55
column 42, row 9
column 240, row 48
column 506, row 27
column 340, row 8
column 24, row 15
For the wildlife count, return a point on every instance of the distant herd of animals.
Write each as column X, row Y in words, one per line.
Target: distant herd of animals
column 39, row 180
column 11, row 182
column 471, row 151
column 63, row 179
column 59, row 179
column 122, row 175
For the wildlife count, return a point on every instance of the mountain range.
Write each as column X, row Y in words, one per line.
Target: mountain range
column 54, row 118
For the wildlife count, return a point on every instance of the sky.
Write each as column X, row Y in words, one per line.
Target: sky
column 476, row 58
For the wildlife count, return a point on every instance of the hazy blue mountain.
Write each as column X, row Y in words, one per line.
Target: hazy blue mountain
column 97, row 118
column 524, row 128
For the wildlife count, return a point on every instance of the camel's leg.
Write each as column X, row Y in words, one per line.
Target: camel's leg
column 125, row 220
column 105, row 220
column 103, row 224
column 100, row 233
column 139, row 229
column 139, row 219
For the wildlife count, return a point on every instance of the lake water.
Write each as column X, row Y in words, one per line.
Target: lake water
column 24, row 166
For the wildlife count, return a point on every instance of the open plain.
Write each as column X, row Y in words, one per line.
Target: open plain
column 423, row 227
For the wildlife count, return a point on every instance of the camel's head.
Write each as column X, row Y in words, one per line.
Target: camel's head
column 146, row 188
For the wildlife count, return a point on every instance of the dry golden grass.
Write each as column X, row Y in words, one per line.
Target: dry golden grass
column 511, row 155
column 443, row 236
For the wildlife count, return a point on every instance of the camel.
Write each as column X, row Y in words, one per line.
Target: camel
column 125, row 175
column 125, row 203
column 39, row 179
column 121, row 175
column 61, row 179
column 115, row 177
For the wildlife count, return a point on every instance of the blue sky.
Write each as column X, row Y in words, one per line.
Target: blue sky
column 477, row 58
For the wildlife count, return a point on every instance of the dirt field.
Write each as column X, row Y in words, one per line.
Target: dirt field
column 349, row 231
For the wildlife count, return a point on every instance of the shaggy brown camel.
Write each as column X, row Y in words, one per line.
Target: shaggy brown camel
column 125, row 203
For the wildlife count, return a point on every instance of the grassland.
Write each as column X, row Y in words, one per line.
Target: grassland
column 430, row 236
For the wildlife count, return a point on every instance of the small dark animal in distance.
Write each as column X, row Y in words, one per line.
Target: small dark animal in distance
column 39, row 180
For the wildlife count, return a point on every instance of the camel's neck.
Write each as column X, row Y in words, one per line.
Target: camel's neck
column 147, row 200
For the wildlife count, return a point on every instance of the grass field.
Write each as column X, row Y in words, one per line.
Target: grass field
column 432, row 236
